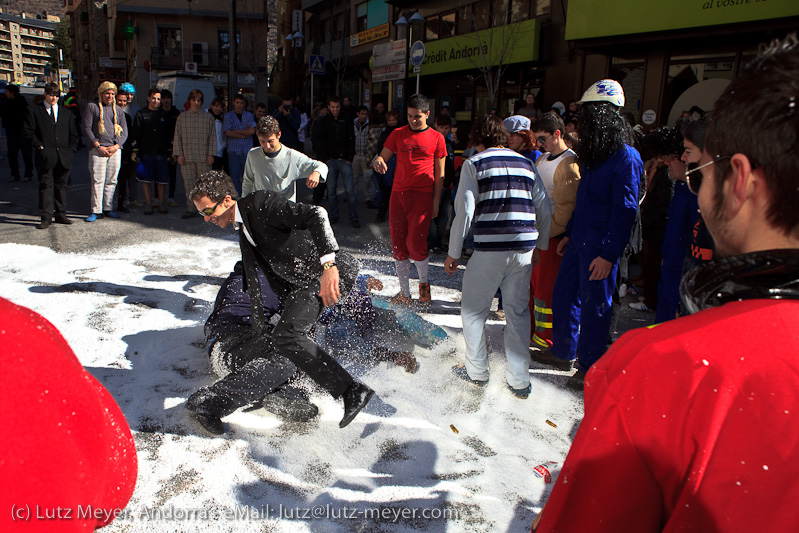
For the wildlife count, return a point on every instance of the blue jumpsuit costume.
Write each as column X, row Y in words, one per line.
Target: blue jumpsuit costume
column 683, row 216
column 607, row 202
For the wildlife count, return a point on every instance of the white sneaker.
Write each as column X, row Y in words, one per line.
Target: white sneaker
column 622, row 290
column 639, row 306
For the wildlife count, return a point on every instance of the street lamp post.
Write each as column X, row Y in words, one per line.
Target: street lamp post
column 416, row 21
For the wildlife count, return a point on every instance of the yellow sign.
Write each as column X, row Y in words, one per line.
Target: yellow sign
column 367, row 36
column 588, row 19
column 514, row 43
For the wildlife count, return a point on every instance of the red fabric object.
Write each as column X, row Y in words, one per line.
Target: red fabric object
column 409, row 216
column 416, row 152
column 542, row 281
column 67, row 457
column 689, row 426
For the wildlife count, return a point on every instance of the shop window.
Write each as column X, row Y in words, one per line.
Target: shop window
column 685, row 72
column 432, row 27
column 629, row 72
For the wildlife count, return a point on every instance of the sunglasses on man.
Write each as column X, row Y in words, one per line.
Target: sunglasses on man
column 209, row 211
column 693, row 177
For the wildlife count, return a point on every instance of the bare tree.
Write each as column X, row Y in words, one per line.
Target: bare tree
column 497, row 33
column 340, row 45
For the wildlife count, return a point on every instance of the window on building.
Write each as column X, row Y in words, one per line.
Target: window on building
column 431, row 27
column 522, row 10
column 361, row 23
column 542, row 8
column 169, row 37
column 448, row 24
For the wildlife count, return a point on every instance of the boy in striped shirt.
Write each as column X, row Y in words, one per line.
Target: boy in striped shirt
column 502, row 192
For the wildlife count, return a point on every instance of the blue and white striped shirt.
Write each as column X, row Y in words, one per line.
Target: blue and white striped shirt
column 502, row 192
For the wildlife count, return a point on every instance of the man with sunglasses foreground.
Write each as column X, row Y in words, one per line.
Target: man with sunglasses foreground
column 297, row 251
column 689, row 426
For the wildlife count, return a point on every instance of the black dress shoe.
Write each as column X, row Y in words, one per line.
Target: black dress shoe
column 44, row 224
column 62, row 220
column 355, row 398
column 356, row 224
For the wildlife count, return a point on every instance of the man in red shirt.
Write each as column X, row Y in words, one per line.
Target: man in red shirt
column 416, row 194
column 689, row 426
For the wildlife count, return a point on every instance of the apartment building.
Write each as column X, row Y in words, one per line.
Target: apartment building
column 25, row 42
column 139, row 41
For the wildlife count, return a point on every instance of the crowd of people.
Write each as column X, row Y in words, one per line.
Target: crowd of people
column 685, row 427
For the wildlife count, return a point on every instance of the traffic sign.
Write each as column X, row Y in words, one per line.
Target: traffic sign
column 417, row 54
column 317, row 64
column 392, row 53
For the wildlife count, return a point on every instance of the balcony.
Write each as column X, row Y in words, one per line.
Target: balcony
column 176, row 59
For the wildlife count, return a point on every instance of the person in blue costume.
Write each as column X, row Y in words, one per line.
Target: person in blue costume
column 604, row 214
column 683, row 216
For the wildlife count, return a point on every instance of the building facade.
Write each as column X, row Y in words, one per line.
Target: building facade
column 670, row 57
column 140, row 41
column 25, row 42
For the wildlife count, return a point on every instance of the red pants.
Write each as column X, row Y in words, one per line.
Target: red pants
column 542, row 282
column 409, row 215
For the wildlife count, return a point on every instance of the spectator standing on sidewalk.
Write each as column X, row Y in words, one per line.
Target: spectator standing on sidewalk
column 334, row 143
column 359, row 162
column 126, row 180
column 105, row 130
column 194, row 145
column 290, row 122
column 150, row 135
column 172, row 114
column 50, row 130
column 239, row 129
column 14, row 107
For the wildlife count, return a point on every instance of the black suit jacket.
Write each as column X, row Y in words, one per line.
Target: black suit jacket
column 51, row 142
column 290, row 240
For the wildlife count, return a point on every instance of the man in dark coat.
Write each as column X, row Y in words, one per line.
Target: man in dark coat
column 295, row 246
column 51, row 132
column 13, row 109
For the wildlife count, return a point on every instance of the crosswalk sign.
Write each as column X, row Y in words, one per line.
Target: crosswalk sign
column 317, row 64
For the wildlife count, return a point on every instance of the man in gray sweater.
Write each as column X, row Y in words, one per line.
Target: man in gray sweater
column 276, row 167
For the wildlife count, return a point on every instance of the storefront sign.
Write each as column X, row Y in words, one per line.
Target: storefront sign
column 367, row 36
column 107, row 62
column 388, row 73
column 513, row 43
column 587, row 19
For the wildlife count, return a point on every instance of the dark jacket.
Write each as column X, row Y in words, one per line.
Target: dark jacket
column 51, row 142
column 289, row 126
column 13, row 112
column 151, row 132
column 334, row 138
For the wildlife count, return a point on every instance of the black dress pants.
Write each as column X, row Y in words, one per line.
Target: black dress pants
column 53, row 191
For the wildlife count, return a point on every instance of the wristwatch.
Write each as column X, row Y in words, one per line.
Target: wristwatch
column 329, row 265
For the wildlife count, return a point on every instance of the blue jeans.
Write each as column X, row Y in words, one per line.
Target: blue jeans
column 342, row 168
column 236, row 163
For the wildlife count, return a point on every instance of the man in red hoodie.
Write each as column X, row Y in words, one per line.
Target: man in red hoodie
column 689, row 426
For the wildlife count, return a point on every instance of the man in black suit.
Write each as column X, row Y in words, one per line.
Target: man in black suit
column 50, row 130
column 295, row 247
